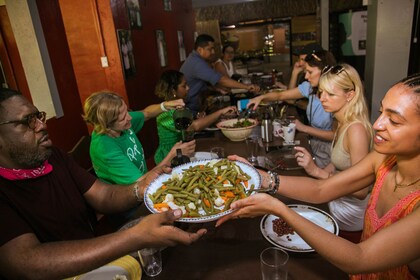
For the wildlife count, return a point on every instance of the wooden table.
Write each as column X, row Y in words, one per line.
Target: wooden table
column 232, row 251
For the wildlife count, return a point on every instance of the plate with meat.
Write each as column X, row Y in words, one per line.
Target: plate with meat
column 280, row 234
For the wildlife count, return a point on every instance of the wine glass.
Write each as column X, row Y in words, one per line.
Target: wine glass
column 183, row 118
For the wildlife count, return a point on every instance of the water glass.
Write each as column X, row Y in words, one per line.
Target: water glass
column 151, row 261
column 253, row 147
column 274, row 264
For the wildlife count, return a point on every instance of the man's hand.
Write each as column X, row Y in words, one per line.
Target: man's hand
column 157, row 230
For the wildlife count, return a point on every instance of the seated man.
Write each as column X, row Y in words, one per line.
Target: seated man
column 46, row 202
column 199, row 74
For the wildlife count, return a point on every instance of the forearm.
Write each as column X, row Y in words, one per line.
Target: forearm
column 152, row 111
column 201, row 123
column 227, row 82
column 345, row 254
column 58, row 260
column 107, row 198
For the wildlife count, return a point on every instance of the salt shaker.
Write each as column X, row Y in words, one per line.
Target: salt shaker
column 266, row 128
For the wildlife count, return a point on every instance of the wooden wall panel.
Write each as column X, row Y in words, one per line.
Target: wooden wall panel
column 67, row 130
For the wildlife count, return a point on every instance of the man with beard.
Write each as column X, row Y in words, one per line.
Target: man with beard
column 199, row 74
column 47, row 201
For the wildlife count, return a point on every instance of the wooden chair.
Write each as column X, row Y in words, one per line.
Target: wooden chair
column 80, row 153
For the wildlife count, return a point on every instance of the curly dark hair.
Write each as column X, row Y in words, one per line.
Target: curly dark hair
column 168, row 82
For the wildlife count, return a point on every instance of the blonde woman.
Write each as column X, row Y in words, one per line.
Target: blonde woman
column 116, row 152
column 341, row 93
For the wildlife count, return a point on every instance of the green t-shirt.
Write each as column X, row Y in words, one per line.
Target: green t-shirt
column 168, row 134
column 119, row 160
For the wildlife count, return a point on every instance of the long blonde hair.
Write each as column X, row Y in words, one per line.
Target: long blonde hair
column 348, row 79
column 101, row 110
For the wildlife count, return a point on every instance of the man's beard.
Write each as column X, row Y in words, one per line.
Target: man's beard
column 27, row 157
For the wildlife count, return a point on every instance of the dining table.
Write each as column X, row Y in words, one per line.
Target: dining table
column 232, row 250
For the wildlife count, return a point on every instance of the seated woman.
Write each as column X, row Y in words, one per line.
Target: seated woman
column 321, row 123
column 116, row 152
column 389, row 248
column 224, row 65
column 172, row 85
column 341, row 93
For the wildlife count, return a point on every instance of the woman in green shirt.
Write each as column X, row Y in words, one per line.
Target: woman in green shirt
column 171, row 86
column 116, row 152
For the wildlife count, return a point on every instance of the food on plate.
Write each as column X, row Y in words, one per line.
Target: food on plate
column 281, row 227
column 203, row 189
column 240, row 123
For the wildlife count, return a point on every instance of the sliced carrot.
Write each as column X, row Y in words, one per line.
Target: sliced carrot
column 161, row 205
column 225, row 182
column 246, row 183
column 164, row 187
column 229, row 194
column 206, row 202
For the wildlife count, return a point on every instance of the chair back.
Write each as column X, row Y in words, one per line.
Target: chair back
column 80, row 153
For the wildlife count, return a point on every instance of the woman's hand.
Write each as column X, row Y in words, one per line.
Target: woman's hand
column 174, row 104
column 188, row 148
column 254, row 102
column 300, row 126
column 253, row 206
column 304, row 159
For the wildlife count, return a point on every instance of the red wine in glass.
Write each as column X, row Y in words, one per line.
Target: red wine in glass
column 182, row 123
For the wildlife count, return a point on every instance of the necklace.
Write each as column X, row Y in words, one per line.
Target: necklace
column 403, row 185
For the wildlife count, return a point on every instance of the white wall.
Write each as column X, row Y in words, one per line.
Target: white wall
column 388, row 47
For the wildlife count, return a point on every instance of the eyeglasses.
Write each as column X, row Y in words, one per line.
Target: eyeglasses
column 30, row 120
column 336, row 70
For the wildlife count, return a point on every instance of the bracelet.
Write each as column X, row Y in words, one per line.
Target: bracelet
column 136, row 192
column 162, row 107
column 274, row 182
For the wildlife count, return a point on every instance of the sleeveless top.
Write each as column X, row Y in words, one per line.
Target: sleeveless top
column 229, row 68
column 348, row 211
column 168, row 135
column 373, row 223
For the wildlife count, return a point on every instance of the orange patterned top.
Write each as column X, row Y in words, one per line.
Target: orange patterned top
column 373, row 223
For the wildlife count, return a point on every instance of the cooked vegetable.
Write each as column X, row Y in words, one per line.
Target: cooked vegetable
column 202, row 190
column 243, row 123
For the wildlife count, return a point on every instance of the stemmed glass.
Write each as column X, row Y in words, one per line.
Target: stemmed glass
column 183, row 118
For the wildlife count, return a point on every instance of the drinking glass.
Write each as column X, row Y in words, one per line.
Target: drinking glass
column 183, row 118
column 274, row 264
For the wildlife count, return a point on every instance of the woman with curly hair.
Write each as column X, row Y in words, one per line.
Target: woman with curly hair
column 172, row 85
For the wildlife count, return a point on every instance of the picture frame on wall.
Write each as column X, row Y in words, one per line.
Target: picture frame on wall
column 181, row 46
column 134, row 16
column 126, row 51
column 167, row 5
column 161, row 45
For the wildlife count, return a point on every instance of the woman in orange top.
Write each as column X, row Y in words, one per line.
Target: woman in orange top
column 390, row 246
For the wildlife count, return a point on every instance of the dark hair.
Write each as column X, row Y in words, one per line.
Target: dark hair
column 320, row 59
column 5, row 94
column 202, row 41
column 169, row 80
column 227, row 46
column 413, row 82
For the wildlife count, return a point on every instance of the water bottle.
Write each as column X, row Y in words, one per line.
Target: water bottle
column 266, row 128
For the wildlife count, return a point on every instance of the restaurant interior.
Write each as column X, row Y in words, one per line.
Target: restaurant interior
column 57, row 60
column 59, row 52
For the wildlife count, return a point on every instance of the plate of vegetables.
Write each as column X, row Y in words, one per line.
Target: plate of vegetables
column 202, row 189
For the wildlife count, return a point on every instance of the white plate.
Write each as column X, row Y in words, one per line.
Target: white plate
column 297, row 244
column 127, row 266
column 203, row 156
column 157, row 183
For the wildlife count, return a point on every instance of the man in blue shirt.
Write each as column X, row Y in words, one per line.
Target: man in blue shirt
column 199, row 74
